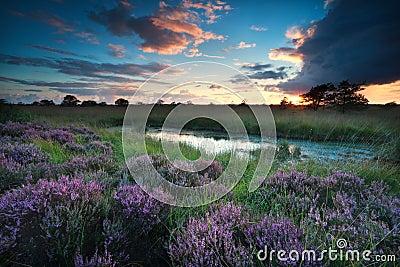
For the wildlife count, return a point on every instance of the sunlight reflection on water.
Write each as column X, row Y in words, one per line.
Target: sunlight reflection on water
column 215, row 143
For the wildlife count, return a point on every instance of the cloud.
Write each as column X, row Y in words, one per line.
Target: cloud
column 268, row 74
column 78, row 67
column 15, row 98
column 327, row 3
column 258, row 28
column 194, row 52
column 241, row 45
column 215, row 86
column 88, row 37
column 117, row 51
column 255, row 66
column 286, row 54
column 357, row 40
column 209, row 9
column 54, row 20
column 299, row 35
column 50, row 49
column 33, row 90
column 169, row 31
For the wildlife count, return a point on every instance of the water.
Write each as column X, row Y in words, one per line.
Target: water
column 220, row 143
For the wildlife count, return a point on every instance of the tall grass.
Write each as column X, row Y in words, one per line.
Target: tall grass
column 376, row 124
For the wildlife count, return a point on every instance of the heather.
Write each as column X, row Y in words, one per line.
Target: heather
column 67, row 199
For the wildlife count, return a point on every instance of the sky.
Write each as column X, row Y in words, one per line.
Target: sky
column 105, row 50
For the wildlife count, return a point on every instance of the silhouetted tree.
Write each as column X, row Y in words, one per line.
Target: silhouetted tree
column 318, row 95
column 70, row 101
column 89, row 103
column 391, row 104
column 244, row 103
column 346, row 96
column 35, row 103
column 103, row 104
column 284, row 103
column 121, row 102
column 46, row 103
column 160, row 102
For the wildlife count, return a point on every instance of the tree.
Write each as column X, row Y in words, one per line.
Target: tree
column 346, row 96
column 121, row 102
column 391, row 104
column 70, row 101
column 89, row 103
column 46, row 103
column 160, row 102
column 284, row 103
column 318, row 95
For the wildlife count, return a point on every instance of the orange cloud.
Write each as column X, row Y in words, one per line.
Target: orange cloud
column 298, row 35
column 383, row 93
column 209, row 9
column 286, row 54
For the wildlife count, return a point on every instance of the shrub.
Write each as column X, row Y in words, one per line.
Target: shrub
column 176, row 173
column 213, row 240
column 47, row 221
column 338, row 206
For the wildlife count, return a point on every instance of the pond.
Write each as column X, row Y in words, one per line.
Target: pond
column 215, row 143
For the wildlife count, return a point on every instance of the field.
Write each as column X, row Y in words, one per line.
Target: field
column 68, row 199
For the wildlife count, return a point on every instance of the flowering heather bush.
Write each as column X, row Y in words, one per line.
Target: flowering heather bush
column 45, row 222
column 138, row 208
column 213, row 240
column 77, row 165
column 13, row 173
column 97, row 260
column 175, row 172
column 22, row 163
column 277, row 234
column 342, row 205
column 97, row 147
column 74, row 147
column 23, row 153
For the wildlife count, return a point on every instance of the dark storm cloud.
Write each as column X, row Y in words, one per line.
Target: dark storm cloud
column 357, row 40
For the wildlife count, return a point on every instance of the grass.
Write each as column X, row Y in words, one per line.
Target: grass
column 376, row 124
column 372, row 126
column 57, row 153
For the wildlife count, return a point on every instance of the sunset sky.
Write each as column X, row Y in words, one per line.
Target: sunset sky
column 104, row 50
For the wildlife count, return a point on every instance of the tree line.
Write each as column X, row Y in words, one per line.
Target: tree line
column 73, row 101
column 343, row 96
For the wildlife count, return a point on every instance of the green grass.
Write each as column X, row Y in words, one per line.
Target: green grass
column 57, row 153
column 376, row 124
column 372, row 126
